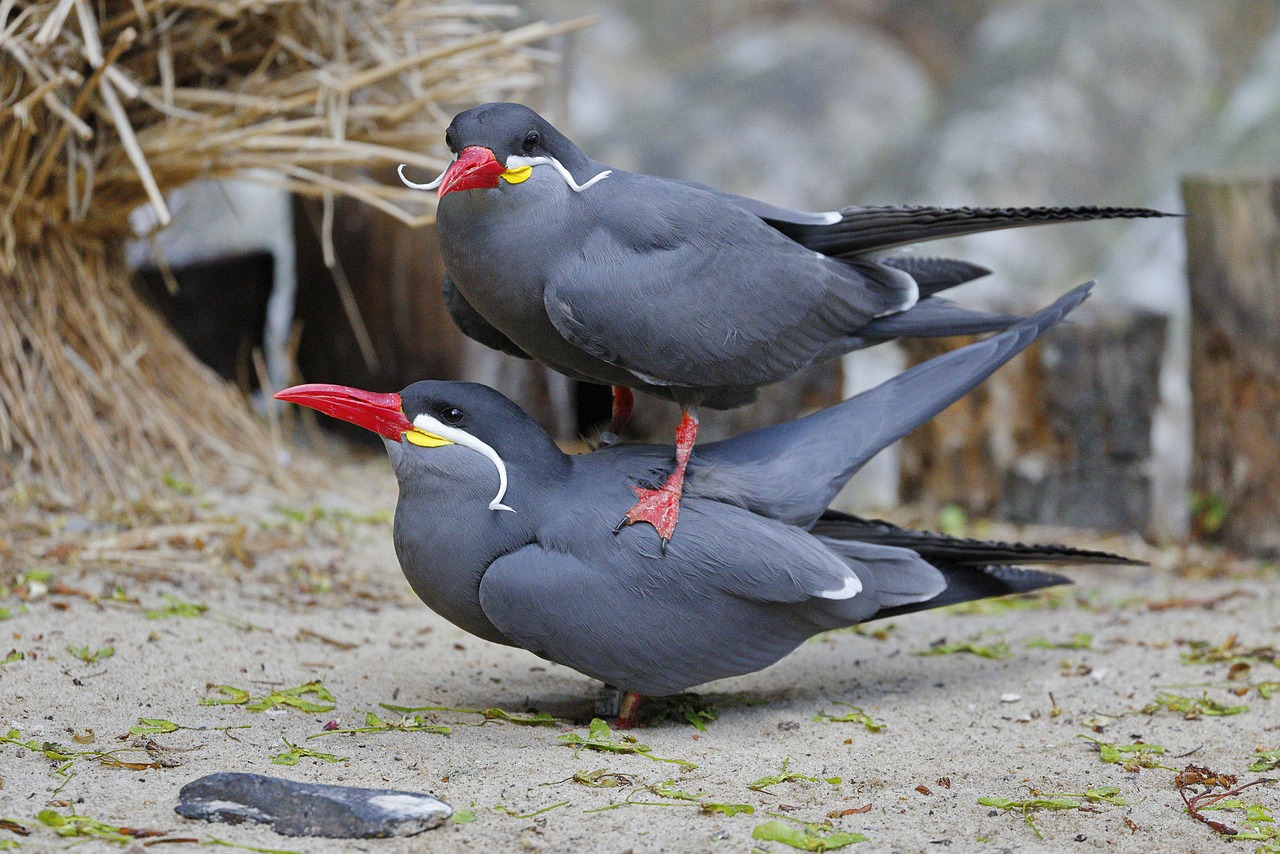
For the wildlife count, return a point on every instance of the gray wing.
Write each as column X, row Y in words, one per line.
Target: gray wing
column 680, row 288
column 792, row 471
column 472, row 324
column 733, row 594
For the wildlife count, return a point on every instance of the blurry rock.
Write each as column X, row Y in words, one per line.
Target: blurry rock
column 310, row 809
column 804, row 111
column 1081, row 103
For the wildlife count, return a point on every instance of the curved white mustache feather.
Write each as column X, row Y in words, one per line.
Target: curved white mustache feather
column 515, row 161
column 427, row 424
column 431, row 186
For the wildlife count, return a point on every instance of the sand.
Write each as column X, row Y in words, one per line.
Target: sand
column 295, row 594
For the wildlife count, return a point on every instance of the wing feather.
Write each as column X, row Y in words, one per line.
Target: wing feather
column 695, row 292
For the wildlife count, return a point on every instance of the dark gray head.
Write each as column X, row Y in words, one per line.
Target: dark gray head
column 466, row 431
column 502, row 141
column 447, row 436
column 512, row 129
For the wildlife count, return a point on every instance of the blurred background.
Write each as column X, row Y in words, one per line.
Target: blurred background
column 817, row 105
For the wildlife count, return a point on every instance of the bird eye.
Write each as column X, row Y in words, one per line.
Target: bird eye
column 451, row 415
column 531, row 140
column 450, row 141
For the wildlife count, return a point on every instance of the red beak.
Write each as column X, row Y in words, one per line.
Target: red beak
column 371, row 410
column 475, row 169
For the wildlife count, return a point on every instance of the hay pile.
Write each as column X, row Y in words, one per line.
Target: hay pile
column 104, row 106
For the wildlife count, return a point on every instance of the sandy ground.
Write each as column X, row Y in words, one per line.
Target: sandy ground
column 296, row 593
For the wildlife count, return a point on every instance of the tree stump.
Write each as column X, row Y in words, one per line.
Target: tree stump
column 1233, row 264
column 1061, row 435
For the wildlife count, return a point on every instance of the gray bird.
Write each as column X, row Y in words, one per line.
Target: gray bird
column 677, row 289
column 507, row 537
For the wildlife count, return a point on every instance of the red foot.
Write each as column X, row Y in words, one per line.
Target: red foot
column 661, row 507
column 627, row 710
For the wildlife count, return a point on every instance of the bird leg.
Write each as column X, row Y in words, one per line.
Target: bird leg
column 627, row 710
column 661, row 507
column 620, row 705
column 624, row 401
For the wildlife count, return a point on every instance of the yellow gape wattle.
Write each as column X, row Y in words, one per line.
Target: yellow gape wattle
column 515, row 176
column 425, row 440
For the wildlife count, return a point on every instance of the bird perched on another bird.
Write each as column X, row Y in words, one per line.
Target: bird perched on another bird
column 506, row 536
column 677, row 289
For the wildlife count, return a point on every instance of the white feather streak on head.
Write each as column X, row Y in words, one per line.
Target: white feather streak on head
column 831, row 217
column 851, row 587
column 515, row 161
column 427, row 424
column 408, row 183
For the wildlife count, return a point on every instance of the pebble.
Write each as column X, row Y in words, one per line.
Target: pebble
column 310, row 809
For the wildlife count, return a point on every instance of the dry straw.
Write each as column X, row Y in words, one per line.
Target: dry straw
column 105, row 106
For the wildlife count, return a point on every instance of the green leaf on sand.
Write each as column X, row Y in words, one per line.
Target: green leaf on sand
column 1053, row 801
column 1266, row 760
column 89, row 656
column 1080, row 640
column 807, row 837
column 489, row 715
column 295, row 753
column 785, row 777
column 408, row 723
column 1131, row 756
column 293, row 698
column 1191, row 707
column 997, row 650
column 857, row 716
column 176, row 608
column 600, row 737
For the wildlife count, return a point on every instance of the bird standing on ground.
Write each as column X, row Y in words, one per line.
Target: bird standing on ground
column 506, row 536
column 677, row 289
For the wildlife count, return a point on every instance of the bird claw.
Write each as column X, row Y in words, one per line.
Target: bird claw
column 607, row 439
column 659, row 507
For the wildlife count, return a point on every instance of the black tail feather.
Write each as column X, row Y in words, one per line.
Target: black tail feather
column 936, row 274
column 966, row 583
column 868, row 229
column 941, row 549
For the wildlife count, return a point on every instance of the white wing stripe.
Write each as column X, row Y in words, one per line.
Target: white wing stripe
column 851, row 587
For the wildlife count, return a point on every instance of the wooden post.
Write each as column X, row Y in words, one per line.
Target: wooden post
column 1061, row 435
column 1233, row 264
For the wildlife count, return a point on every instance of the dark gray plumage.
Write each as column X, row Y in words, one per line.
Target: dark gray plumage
column 675, row 288
column 760, row 565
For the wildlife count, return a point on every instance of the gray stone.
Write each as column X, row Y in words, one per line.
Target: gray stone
column 310, row 809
